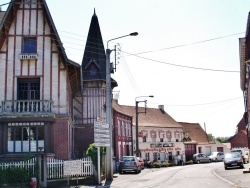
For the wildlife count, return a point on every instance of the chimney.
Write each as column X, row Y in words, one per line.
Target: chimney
column 161, row 107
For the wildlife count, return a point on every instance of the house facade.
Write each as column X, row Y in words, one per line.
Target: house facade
column 122, row 132
column 196, row 140
column 37, row 84
column 244, row 53
column 159, row 135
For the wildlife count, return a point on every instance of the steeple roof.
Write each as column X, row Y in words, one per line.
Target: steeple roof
column 94, row 51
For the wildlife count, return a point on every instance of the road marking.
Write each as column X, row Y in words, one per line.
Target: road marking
column 225, row 180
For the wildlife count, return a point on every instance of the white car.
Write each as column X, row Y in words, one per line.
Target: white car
column 217, row 156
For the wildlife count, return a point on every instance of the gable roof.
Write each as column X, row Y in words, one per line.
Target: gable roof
column 10, row 15
column 119, row 108
column 196, row 133
column 153, row 118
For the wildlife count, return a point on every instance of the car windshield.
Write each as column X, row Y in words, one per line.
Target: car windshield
column 128, row 159
column 232, row 155
column 213, row 154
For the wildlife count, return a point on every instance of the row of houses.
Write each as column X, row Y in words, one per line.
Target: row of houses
column 49, row 103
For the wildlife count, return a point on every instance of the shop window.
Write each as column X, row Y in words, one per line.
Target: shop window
column 25, row 137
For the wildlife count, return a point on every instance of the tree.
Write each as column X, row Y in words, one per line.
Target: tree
column 92, row 152
column 222, row 139
column 211, row 136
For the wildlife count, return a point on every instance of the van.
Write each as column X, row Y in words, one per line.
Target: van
column 244, row 154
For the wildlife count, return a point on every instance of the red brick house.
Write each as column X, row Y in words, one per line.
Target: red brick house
column 122, row 132
column 239, row 140
column 244, row 52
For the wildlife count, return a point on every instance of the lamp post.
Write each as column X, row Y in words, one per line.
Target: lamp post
column 109, row 149
column 136, row 122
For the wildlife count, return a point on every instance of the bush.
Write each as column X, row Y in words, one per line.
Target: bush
column 189, row 162
column 157, row 164
column 92, row 152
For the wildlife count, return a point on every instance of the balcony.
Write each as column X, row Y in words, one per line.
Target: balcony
column 26, row 106
column 24, row 56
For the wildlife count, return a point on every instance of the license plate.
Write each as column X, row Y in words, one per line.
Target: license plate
column 234, row 164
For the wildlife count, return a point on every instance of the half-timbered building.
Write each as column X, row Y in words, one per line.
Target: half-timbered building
column 37, row 83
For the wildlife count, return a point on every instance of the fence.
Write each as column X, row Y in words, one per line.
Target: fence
column 54, row 168
column 18, row 172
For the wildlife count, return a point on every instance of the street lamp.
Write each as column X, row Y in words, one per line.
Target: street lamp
column 109, row 149
column 136, row 123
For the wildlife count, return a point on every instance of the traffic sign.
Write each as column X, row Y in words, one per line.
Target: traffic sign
column 99, row 135
column 104, row 131
column 101, row 124
column 103, row 140
column 101, row 144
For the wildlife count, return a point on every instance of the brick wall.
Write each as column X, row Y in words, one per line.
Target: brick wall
column 61, row 139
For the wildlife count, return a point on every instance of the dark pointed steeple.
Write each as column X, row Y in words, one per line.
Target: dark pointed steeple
column 94, row 58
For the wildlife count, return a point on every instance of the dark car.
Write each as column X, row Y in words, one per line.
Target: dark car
column 233, row 159
column 128, row 164
column 141, row 162
column 201, row 158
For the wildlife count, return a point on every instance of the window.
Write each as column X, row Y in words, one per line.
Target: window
column 153, row 136
column 28, row 89
column 25, row 137
column 123, row 129
column 144, row 136
column 92, row 70
column 119, row 128
column 161, row 137
column 169, row 136
column 29, row 45
column 177, row 136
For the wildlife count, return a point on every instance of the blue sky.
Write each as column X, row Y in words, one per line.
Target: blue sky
column 173, row 35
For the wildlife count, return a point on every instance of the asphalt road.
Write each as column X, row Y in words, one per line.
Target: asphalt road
column 209, row 175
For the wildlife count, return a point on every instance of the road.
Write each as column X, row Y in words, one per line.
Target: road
column 191, row 176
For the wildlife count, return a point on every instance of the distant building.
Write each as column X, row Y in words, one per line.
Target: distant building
column 159, row 135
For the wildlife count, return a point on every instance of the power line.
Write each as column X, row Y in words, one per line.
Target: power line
column 202, row 104
column 183, row 66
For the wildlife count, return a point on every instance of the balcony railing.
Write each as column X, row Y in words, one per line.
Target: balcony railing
column 26, row 106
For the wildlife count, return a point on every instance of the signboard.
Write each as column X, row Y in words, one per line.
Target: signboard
column 103, row 140
column 101, row 144
column 101, row 134
column 72, row 168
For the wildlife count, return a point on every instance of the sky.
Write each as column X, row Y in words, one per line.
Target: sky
column 186, row 53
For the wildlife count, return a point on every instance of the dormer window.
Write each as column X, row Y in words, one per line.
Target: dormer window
column 92, row 70
column 29, row 45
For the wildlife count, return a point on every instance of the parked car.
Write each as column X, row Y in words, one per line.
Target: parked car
column 216, row 156
column 243, row 153
column 128, row 164
column 233, row 159
column 141, row 162
column 201, row 158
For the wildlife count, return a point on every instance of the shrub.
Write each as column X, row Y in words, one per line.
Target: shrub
column 92, row 152
column 157, row 164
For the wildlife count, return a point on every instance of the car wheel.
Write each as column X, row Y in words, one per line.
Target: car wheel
column 241, row 166
column 137, row 171
column 226, row 168
column 209, row 160
column 198, row 161
column 216, row 160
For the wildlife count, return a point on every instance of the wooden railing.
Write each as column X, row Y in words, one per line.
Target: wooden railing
column 26, row 106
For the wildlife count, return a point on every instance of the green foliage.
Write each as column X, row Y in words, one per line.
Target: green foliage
column 12, row 173
column 92, row 152
column 222, row 139
column 211, row 136
column 157, row 164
